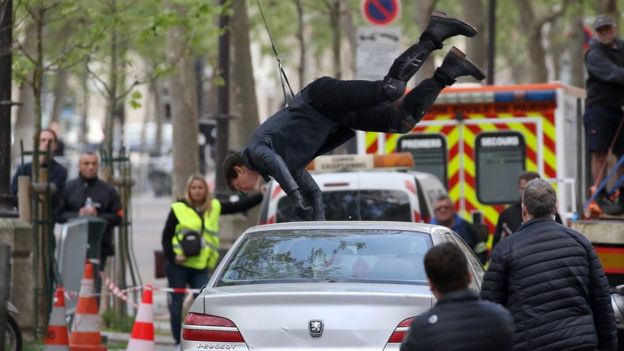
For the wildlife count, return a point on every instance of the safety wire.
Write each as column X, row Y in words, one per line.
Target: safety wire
column 277, row 58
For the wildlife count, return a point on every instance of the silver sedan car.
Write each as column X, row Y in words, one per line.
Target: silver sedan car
column 318, row 286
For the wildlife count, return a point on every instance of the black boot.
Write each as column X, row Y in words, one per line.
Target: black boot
column 442, row 27
column 456, row 65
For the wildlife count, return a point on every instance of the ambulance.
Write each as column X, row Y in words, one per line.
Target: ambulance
column 362, row 187
column 477, row 139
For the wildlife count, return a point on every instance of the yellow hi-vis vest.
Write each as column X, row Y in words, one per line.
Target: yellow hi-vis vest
column 188, row 219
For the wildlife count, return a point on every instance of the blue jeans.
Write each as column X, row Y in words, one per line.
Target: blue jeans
column 181, row 277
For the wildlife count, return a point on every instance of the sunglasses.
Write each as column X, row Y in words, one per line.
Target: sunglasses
column 442, row 208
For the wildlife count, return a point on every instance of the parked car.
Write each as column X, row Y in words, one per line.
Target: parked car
column 319, row 285
column 354, row 188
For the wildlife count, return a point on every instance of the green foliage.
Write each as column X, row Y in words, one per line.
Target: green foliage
column 111, row 321
column 135, row 99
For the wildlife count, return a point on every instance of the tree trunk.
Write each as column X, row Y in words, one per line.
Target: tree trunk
column 60, row 87
column 25, row 122
column 350, row 31
column 244, row 103
column 112, row 102
column 183, row 109
column 334, row 18
column 159, row 115
column 302, row 44
column 537, row 56
column 609, row 7
column 84, row 110
column 421, row 16
column 576, row 55
column 475, row 14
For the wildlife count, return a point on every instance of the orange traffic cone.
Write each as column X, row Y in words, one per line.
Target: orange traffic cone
column 56, row 337
column 86, row 327
column 142, row 338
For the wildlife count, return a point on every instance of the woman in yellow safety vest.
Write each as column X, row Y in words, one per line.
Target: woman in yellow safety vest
column 194, row 220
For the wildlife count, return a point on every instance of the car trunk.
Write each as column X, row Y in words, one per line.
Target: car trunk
column 354, row 316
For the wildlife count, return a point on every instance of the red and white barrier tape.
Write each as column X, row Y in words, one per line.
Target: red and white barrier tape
column 123, row 293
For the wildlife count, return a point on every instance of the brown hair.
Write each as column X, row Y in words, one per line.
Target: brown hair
column 206, row 206
column 229, row 173
column 447, row 268
column 527, row 176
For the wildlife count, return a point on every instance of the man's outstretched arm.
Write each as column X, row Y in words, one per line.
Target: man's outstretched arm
column 267, row 162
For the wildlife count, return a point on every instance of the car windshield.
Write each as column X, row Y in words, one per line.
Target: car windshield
column 362, row 205
column 327, row 256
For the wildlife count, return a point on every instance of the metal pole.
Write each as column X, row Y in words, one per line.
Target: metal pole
column 5, row 282
column 223, row 103
column 491, row 41
column 6, row 39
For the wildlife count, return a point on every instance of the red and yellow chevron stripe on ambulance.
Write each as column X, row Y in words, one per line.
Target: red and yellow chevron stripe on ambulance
column 460, row 115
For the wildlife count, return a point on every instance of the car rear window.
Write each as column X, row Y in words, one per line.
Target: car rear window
column 327, row 256
column 345, row 205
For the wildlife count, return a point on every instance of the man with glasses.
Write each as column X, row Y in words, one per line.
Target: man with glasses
column 444, row 214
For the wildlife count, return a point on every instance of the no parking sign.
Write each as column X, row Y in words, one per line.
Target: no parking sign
column 381, row 12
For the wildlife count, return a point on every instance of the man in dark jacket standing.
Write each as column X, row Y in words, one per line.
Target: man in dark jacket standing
column 459, row 320
column 511, row 218
column 605, row 83
column 57, row 174
column 323, row 115
column 550, row 279
column 87, row 195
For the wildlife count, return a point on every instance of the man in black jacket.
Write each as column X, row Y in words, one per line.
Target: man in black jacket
column 87, row 195
column 459, row 320
column 605, row 82
column 323, row 115
column 511, row 218
column 550, row 279
column 57, row 174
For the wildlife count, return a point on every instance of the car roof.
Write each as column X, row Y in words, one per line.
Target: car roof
column 420, row 227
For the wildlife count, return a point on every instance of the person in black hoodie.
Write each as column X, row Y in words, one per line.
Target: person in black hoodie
column 87, row 195
column 459, row 320
column 195, row 217
column 604, row 119
column 550, row 279
column 324, row 114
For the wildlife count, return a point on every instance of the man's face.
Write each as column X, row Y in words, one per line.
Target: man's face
column 606, row 34
column 247, row 180
column 46, row 141
column 521, row 185
column 88, row 166
column 443, row 210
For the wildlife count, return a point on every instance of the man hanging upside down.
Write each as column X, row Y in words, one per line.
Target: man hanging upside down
column 324, row 114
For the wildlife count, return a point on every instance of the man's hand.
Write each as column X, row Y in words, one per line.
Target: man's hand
column 180, row 258
column 300, row 202
column 87, row 211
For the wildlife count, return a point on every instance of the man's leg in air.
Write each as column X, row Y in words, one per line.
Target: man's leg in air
column 402, row 118
column 335, row 98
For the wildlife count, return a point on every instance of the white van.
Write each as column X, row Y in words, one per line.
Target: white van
column 355, row 187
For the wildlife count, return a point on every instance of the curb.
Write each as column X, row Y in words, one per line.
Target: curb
column 120, row 337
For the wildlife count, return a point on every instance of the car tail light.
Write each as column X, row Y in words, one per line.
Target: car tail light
column 203, row 327
column 399, row 333
column 417, row 217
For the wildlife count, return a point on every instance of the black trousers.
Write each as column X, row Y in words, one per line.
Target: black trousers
column 363, row 105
